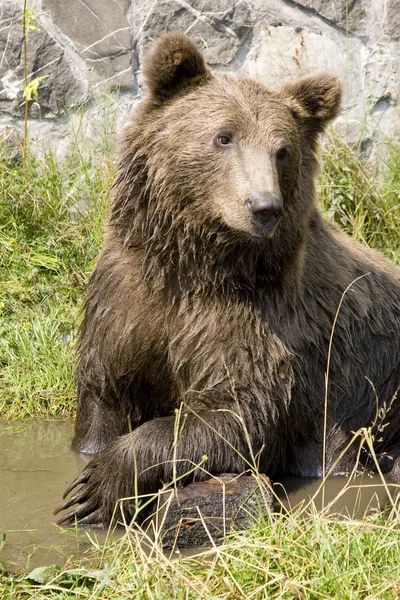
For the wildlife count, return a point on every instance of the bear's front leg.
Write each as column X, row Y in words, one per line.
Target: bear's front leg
column 143, row 461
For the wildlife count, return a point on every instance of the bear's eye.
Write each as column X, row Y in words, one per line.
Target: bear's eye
column 282, row 154
column 224, row 139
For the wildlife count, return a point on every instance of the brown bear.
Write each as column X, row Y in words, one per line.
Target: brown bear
column 223, row 295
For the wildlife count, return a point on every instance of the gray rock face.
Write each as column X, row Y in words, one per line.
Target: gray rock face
column 350, row 15
column 220, row 28
column 100, row 33
column 63, row 84
column 392, row 21
column 82, row 45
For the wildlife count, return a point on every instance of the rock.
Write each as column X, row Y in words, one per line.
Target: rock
column 393, row 18
column 63, row 85
column 100, row 33
column 10, row 53
column 10, row 36
column 204, row 512
column 83, row 43
column 349, row 15
column 220, row 28
column 285, row 52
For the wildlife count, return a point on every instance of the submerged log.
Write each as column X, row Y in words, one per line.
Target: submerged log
column 204, row 512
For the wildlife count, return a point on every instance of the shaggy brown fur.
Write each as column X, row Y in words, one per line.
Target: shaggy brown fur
column 217, row 290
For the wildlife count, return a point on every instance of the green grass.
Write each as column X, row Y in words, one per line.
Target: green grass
column 363, row 199
column 51, row 224
column 283, row 557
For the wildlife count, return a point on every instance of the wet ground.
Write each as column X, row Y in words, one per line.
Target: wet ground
column 37, row 464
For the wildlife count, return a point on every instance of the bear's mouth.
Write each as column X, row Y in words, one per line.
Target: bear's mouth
column 265, row 213
column 226, row 234
column 265, row 231
column 257, row 236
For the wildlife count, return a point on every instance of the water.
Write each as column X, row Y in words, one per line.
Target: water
column 37, row 464
column 363, row 494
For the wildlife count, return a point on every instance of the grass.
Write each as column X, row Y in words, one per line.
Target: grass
column 51, row 224
column 285, row 556
column 363, row 199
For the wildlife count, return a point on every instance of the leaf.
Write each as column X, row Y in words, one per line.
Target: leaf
column 30, row 19
column 44, row 261
column 32, row 88
column 43, row 575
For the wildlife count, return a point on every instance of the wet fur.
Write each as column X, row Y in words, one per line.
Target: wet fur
column 184, row 310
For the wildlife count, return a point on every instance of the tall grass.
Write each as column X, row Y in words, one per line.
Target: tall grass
column 364, row 199
column 284, row 556
column 51, row 224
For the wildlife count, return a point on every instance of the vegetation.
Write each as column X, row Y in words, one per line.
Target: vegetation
column 363, row 199
column 284, row 557
column 51, row 225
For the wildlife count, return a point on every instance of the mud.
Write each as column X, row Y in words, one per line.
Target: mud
column 37, row 464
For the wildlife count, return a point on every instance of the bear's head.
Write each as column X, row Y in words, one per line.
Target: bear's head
column 213, row 157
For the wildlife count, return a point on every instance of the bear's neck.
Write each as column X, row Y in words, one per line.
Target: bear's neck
column 215, row 265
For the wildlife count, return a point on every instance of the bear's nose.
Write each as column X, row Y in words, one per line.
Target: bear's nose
column 266, row 210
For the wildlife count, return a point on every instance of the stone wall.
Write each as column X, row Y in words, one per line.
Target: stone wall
column 86, row 45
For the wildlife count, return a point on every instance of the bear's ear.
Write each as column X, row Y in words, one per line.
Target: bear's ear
column 174, row 64
column 315, row 98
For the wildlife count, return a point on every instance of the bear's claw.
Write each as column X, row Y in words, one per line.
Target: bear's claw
column 86, row 511
column 80, row 496
column 82, row 478
column 83, row 515
column 85, row 499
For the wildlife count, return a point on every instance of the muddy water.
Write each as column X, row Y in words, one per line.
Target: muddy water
column 37, row 464
column 351, row 498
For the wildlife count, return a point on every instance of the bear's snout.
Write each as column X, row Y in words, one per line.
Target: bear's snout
column 265, row 212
